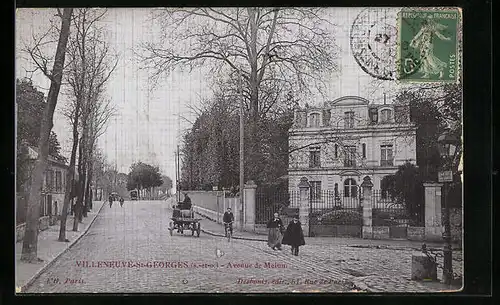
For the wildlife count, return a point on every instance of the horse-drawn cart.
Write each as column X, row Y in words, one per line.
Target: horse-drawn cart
column 184, row 220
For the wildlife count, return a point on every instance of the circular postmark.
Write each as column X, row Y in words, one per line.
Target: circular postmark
column 374, row 42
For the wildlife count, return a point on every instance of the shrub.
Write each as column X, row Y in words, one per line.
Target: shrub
column 381, row 222
column 342, row 217
column 390, row 214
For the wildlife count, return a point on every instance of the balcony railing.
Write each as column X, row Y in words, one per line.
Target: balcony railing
column 387, row 162
column 349, row 163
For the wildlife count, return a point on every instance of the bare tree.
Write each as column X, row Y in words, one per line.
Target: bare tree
column 90, row 68
column 29, row 252
column 102, row 112
column 288, row 48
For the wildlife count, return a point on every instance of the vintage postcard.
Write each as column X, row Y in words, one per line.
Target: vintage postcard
column 238, row 150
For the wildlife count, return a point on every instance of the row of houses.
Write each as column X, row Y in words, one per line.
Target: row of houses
column 53, row 187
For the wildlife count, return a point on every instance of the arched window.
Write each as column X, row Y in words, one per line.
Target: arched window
column 364, row 150
column 386, row 116
column 350, row 188
column 336, row 151
column 314, row 120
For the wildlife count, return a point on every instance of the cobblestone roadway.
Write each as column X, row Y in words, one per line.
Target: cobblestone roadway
column 138, row 233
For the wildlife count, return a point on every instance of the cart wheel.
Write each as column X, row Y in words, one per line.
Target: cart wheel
column 198, row 230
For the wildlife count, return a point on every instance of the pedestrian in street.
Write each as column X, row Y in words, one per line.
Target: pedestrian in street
column 274, row 237
column 110, row 198
column 294, row 236
column 228, row 220
column 121, row 201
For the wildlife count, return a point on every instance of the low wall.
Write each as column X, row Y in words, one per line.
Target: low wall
column 416, row 233
column 211, row 200
column 212, row 214
column 456, row 224
column 380, row 232
column 336, row 230
column 43, row 224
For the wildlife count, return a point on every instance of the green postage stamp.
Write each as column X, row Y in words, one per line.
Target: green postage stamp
column 428, row 45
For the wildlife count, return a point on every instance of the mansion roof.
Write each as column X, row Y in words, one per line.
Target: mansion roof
column 352, row 112
column 33, row 155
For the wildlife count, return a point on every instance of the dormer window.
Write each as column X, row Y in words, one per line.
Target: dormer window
column 386, row 116
column 314, row 120
column 349, row 119
column 373, row 115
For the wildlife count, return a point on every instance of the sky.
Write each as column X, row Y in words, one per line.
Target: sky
column 148, row 125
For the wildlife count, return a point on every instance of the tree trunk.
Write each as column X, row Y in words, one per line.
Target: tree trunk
column 69, row 178
column 79, row 188
column 29, row 252
column 89, row 192
column 252, row 141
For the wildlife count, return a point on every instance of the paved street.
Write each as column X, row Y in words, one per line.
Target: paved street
column 136, row 240
column 147, row 259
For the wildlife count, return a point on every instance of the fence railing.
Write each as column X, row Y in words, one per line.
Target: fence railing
column 269, row 202
column 334, row 200
column 389, row 211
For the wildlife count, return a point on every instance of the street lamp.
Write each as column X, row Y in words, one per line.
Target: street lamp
column 447, row 145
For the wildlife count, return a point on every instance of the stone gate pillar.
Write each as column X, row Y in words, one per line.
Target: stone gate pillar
column 433, row 223
column 250, row 190
column 367, row 186
column 304, row 189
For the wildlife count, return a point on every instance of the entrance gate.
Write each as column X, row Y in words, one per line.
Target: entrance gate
column 335, row 213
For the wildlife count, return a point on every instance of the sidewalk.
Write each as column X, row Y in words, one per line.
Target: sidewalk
column 49, row 248
column 212, row 228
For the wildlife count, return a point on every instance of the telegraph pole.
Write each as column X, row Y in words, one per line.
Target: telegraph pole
column 179, row 171
column 242, row 164
column 176, row 178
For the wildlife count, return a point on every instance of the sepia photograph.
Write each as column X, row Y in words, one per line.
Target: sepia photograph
column 239, row 150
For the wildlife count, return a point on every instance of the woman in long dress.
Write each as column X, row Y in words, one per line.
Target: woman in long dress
column 423, row 42
column 275, row 236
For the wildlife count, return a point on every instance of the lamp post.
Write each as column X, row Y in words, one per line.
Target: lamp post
column 447, row 145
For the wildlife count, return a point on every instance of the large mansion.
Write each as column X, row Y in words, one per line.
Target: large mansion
column 337, row 145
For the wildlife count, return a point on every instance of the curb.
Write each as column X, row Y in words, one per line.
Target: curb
column 234, row 237
column 220, row 235
column 71, row 244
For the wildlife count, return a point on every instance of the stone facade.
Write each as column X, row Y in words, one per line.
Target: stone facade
column 54, row 184
column 347, row 140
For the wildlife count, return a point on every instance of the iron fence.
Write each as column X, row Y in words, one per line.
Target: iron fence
column 335, row 207
column 390, row 211
column 335, row 200
column 268, row 202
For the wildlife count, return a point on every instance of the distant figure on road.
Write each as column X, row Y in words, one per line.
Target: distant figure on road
column 294, row 236
column 121, row 201
column 275, row 236
column 110, row 198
